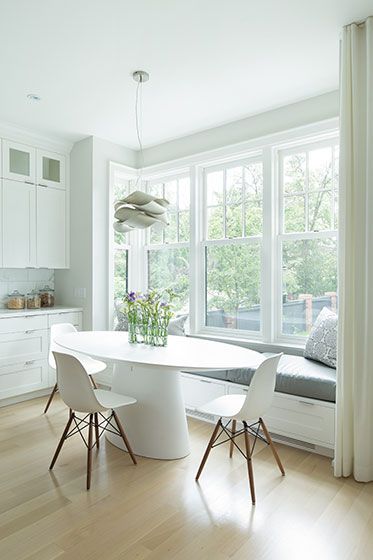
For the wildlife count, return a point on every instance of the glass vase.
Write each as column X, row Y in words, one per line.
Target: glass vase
column 159, row 332
column 132, row 330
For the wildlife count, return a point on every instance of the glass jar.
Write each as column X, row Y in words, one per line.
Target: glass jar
column 46, row 297
column 16, row 300
column 33, row 300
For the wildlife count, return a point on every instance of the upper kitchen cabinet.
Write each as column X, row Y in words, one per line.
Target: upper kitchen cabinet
column 50, row 169
column 18, row 224
column 19, row 162
column 51, row 228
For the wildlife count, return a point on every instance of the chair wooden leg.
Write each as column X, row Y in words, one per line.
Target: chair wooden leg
column 272, row 446
column 231, row 445
column 208, row 448
column 93, row 382
column 97, row 431
column 61, row 442
column 54, row 390
column 124, row 437
column 89, row 451
column 249, row 464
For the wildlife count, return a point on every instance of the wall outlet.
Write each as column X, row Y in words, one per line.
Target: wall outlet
column 80, row 293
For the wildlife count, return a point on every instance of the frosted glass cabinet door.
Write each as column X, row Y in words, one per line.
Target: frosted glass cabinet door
column 50, row 169
column 51, row 228
column 18, row 162
column 18, row 216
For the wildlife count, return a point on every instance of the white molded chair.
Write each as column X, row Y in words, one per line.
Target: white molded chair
column 248, row 409
column 90, row 365
column 78, row 394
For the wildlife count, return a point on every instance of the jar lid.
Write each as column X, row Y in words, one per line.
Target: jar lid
column 16, row 293
column 46, row 289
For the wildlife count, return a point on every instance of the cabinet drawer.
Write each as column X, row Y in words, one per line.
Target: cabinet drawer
column 24, row 323
column 23, row 347
column 303, row 419
column 197, row 392
column 73, row 317
column 23, row 378
column 298, row 418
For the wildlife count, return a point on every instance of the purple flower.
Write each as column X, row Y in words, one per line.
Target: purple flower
column 131, row 296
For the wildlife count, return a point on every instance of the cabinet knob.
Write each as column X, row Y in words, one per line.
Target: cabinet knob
column 41, row 185
column 29, row 183
column 29, row 363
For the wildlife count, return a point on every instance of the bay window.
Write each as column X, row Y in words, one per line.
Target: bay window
column 251, row 245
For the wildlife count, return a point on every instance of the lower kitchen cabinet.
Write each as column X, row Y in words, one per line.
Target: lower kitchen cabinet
column 18, row 379
column 24, row 348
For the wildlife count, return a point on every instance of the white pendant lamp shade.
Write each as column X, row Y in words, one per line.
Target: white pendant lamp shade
column 139, row 210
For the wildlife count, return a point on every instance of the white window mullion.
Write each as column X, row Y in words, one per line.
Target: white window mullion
column 196, row 234
column 267, row 272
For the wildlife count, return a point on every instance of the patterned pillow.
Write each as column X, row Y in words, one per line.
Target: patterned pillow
column 321, row 343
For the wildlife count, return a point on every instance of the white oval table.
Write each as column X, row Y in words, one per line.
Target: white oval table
column 156, row 426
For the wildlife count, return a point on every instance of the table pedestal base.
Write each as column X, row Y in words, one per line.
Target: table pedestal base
column 156, row 425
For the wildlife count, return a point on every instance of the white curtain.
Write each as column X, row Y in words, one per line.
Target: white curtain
column 354, row 419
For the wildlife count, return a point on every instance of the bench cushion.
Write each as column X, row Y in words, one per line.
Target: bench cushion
column 295, row 376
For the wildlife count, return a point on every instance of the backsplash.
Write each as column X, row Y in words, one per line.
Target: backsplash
column 23, row 280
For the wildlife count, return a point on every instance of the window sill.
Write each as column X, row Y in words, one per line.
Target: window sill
column 258, row 345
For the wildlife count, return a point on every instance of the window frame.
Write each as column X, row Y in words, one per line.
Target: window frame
column 147, row 247
column 282, row 236
column 128, row 174
column 204, row 243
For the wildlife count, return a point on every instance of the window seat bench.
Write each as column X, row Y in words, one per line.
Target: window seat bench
column 295, row 376
column 302, row 413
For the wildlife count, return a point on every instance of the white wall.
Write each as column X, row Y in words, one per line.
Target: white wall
column 89, row 184
column 305, row 112
column 79, row 274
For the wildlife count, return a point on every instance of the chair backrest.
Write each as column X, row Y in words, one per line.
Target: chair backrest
column 74, row 384
column 261, row 390
column 56, row 330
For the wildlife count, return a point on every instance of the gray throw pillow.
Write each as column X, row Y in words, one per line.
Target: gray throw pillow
column 321, row 343
column 122, row 321
column 177, row 325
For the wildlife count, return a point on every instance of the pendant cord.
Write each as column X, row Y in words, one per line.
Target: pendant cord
column 138, row 128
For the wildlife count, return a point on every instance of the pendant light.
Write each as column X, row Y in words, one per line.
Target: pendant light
column 139, row 210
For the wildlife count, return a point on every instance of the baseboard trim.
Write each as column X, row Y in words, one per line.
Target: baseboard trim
column 25, row 397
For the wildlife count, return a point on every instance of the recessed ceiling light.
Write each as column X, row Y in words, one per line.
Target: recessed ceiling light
column 33, row 97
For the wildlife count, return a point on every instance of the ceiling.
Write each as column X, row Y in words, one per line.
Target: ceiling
column 210, row 62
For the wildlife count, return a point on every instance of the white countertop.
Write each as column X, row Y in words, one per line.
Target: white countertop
column 42, row 311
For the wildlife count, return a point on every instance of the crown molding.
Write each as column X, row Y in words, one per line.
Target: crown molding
column 27, row 136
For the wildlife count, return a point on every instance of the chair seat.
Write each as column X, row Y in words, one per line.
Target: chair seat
column 109, row 399
column 227, row 406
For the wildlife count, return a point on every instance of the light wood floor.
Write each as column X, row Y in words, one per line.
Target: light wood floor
column 156, row 511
